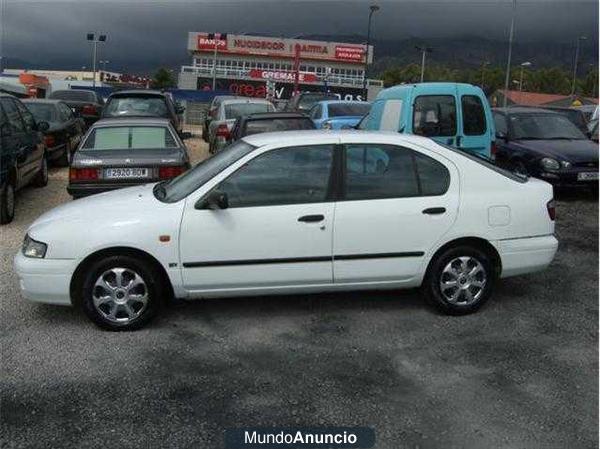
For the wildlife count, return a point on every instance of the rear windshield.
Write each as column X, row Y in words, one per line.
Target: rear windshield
column 307, row 101
column 73, row 95
column 280, row 124
column 236, row 110
column 136, row 106
column 129, row 138
column 42, row 111
column 352, row 109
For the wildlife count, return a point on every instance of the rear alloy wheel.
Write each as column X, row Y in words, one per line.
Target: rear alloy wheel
column 121, row 293
column 460, row 280
column 7, row 203
column 41, row 179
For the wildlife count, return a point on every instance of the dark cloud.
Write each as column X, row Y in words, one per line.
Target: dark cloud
column 155, row 32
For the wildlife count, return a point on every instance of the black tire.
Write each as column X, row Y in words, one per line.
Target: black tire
column 7, row 203
column 435, row 275
column 153, row 289
column 41, row 179
column 65, row 158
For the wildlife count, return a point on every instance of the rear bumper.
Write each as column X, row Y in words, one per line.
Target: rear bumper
column 81, row 190
column 45, row 280
column 526, row 255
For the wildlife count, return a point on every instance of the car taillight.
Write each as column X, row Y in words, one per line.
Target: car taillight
column 551, row 206
column 170, row 172
column 83, row 174
column 49, row 140
column 493, row 151
column 222, row 132
column 89, row 109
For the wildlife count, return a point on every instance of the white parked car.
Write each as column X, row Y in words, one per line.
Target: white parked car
column 280, row 213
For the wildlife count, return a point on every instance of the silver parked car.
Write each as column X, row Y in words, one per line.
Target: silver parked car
column 118, row 153
column 219, row 129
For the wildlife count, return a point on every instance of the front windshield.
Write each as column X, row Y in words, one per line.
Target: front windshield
column 235, row 110
column 136, row 106
column 180, row 187
column 43, row 112
column 348, row 109
column 543, row 127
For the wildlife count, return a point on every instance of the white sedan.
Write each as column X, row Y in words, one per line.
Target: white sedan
column 295, row 212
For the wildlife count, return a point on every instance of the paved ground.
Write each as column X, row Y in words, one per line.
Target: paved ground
column 522, row 373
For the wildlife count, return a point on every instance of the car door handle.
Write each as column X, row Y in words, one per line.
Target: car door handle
column 311, row 218
column 434, row 210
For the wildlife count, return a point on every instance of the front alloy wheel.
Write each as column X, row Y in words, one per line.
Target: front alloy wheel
column 121, row 292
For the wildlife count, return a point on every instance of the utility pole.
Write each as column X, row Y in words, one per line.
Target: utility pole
column 483, row 65
column 214, row 74
column 510, row 44
column 523, row 65
column 372, row 9
column 579, row 39
column 424, row 51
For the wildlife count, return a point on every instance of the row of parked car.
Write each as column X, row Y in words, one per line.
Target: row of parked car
column 133, row 137
column 555, row 144
column 465, row 221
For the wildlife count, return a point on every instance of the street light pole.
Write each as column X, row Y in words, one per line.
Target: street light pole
column 424, row 51
column 372, row 10
column 579, row 39
column 95, row 39
column 523, row 65
column 510, row 44
column 483, row 65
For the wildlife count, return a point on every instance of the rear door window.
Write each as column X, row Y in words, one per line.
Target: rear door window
column 473, row 115
column 434, row 115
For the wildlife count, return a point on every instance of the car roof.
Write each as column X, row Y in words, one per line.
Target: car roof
column 524, row 110
column 283, row 137
column 132, row 121
column 274, row 115
column 42, row 100
column 242, row 100
column 157, row 93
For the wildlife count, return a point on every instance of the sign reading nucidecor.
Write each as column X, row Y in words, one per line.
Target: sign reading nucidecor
column 300, row 438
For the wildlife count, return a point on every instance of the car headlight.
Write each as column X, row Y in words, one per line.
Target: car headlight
column 565, row 164
column 327, row 125
column 549, row 164
column 33, row 248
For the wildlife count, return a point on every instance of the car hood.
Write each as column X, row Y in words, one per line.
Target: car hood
column 124, row 158
column 117, row 218
column 116, row 201
column 569, row 150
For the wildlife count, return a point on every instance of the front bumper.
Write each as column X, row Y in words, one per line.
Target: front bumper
column 526, row 255
column 45, row 280
column 570, row 177
column 80, row 190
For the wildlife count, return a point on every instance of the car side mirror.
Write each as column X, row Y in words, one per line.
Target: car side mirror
column 186, row 135
column 501, row 135
column 43, row 126
column 179, row 109
column 5, row 130
column 215, row 200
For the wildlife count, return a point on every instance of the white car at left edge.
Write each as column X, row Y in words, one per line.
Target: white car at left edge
column 295, row 212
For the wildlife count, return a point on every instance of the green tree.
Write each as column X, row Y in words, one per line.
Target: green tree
column 163, row 79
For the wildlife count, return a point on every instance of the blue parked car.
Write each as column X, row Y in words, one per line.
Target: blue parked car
column 338, row 114
column 453, row 114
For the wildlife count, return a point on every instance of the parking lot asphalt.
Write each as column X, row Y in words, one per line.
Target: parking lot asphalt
column 520, row 373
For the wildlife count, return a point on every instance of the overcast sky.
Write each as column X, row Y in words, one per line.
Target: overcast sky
column 54, row 30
